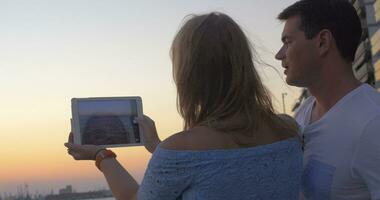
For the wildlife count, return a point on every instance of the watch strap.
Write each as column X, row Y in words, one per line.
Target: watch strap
column 103, row 154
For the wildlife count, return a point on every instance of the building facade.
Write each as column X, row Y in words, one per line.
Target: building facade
column 375, row 42
column 363, row 63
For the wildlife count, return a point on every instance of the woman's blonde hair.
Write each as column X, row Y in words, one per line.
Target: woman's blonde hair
column 216, row 80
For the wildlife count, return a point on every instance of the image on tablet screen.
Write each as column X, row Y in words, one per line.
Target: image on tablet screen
column 108, row 122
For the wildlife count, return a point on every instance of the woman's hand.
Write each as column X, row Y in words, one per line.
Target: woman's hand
column 148, row 132
column 82, row 152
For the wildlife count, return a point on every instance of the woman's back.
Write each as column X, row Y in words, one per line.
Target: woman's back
column 233, row 146
column 195, row 165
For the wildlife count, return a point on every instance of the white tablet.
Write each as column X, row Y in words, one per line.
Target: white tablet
column 106, row 121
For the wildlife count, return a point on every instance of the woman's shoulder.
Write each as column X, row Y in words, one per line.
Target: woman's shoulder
column 288, row 120
column 204, row 139
column 197, row 138
column 176, row 141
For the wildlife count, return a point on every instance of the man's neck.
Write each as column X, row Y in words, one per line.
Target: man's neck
column 329, row 91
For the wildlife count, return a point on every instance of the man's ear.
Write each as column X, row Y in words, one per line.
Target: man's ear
column 324, row 42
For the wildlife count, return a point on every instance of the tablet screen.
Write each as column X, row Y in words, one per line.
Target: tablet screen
column 107, row 121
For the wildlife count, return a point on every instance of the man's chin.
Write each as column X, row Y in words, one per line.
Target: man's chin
column 289, row 81
column 293, row 82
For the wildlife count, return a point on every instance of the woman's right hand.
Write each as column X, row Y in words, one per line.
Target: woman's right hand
column 148, row 132
column 82, row 152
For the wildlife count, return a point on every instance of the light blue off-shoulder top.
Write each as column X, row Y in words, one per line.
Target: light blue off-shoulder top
column 266, row 172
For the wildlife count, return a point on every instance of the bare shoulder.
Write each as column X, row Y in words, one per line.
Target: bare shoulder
column 176, row 142
column 199, row 138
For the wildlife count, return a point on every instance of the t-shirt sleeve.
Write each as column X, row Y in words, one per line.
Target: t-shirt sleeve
column 366, row 161
column 168, row 175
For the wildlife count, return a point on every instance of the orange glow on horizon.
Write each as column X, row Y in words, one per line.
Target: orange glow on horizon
column 48, row 159
column 51, row 166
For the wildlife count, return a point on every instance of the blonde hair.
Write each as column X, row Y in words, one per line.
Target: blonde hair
column 217, row 84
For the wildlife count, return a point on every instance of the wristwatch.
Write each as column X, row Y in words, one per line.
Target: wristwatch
column 103, row 154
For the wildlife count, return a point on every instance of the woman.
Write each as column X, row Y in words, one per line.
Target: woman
column 233, row 145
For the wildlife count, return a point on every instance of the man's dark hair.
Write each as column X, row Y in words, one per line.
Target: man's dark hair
column 337, row 16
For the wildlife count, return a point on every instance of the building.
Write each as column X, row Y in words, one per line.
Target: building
column 362, row 65
column 375, row 42
column 67, row 190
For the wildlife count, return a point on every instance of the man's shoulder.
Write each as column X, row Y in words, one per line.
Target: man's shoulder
column 364, row 104
column 372, row 125
column 367, row 109
column 372, row 96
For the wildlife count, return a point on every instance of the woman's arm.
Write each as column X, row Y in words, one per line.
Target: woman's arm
column 121, row 183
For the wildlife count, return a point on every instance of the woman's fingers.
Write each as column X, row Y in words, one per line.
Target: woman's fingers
column 71, row 137
column 76, row 156
column 71, row 151
column 148, row 132
column 72, row 146
column 81, row 152
column 67, row 144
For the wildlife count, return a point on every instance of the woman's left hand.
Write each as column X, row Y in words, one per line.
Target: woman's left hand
column 82, row 152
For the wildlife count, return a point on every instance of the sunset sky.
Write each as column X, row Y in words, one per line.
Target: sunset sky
column 54, row 50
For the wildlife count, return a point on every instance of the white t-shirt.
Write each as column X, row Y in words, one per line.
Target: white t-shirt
column 342, row 149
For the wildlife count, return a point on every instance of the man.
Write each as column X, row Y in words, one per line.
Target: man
column 341, row 120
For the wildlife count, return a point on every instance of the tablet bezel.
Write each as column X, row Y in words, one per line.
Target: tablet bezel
column 75, row 122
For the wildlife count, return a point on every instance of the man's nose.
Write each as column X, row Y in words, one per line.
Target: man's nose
column 280, row 54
